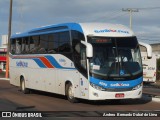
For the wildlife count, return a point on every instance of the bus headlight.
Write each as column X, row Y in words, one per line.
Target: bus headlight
column 138, row 86
column 97, row 87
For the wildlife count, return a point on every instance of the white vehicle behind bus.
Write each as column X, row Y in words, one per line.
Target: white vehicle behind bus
column 149, row 68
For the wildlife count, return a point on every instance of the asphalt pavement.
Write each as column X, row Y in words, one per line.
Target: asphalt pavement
column 12, row 99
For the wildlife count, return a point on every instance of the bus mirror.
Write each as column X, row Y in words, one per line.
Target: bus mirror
column 89, row 49
column 149, row 49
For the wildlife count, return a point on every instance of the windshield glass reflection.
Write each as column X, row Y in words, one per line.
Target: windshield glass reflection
column 115, row 57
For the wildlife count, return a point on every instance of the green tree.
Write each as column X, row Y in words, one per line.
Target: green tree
column 158, row 69
column 158, row 64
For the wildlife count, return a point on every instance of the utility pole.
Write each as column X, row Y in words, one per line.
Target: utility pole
column 130, row 10
column 9, row 35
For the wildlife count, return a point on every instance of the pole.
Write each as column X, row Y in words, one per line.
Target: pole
column 130, row 10
column 9, row 35
column 130, row 24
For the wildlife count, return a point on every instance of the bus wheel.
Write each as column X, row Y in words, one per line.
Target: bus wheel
column 23, row 87
column 70, row 93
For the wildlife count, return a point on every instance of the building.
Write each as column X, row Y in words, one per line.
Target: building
column 4, row 41
column 3, row 52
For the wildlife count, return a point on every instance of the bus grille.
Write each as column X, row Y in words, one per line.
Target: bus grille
column 118, row 89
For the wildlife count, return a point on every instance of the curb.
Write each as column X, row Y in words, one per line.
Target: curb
column 153, row 97
column 156, row 99
column 4, row 79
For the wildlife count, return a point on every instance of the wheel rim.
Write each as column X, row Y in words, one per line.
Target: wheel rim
column 70, row 92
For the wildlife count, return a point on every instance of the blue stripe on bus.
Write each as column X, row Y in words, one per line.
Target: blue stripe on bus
column 116, row 84
column 39, row 62
column 54, row 62
column 76, row 27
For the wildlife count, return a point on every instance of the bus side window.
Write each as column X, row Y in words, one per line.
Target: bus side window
column 83, row 57
column 27, row 44
column 43, row 44
column 76, row 54
column 64, row 42
column 79, row 52
column 13, row 46
column 31, row 44
column 34, row 44
column 53, row 43
column 23, row 45
column 19, row 46
column 80, row 55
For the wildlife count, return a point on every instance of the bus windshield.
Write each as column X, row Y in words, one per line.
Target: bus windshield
column 115, row 57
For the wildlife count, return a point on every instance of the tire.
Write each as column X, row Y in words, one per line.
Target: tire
column 70, row 93
column 23, row 87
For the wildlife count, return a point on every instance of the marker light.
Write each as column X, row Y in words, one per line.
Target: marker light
column 97, row 87
column 138, row 86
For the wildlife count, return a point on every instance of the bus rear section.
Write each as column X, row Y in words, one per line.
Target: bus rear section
column 149, row 68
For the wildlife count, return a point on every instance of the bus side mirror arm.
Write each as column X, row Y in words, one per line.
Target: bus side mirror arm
column 149, row 49
column 89, row 49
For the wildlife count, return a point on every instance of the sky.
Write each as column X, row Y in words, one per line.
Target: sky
column 28, row 14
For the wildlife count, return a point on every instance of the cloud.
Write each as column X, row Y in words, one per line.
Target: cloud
column 28, row 14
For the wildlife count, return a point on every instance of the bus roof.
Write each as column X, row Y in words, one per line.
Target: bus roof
column 94, row 29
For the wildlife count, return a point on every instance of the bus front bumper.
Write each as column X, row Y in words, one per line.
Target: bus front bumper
column 95, row 94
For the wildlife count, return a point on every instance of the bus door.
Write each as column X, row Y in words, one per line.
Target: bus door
column 80, row 61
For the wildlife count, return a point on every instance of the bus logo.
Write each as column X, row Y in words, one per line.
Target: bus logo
column 21, row 64
column 103, row 84
column 119, row 85
column 62, row 60
column 111, row 30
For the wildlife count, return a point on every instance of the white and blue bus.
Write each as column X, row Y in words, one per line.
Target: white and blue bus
column 149, row 64
column 93, row 61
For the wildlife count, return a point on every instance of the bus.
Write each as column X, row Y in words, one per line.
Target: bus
column 149, row 64
column 149, row 68
column 92, row 61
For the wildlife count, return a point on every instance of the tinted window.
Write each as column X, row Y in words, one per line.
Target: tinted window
column 27, row 47
column 115, row 57
column 131, row 42
column 64, row 42
column 23, row 45
column 19, row 46
column 34, row 44
column 77, row 35
column 47, row 43
column 13, row 46
column 53, row 43
column 43, row 44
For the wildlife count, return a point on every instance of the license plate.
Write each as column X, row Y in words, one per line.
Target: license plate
column 119, row 95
